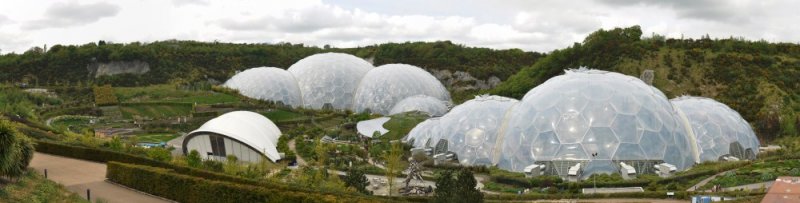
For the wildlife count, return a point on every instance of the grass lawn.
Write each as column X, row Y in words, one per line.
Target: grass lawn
column 278, row 115
column 169, row 93
column 401, row 124
column 33, row 187
column 156, row 110
column 74, row 124
column 156, row 137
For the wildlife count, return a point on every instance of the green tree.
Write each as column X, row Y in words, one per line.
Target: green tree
column 445, row 187
column 393, row 164
column 465, row 187
column 159, row 154
column 357, row 179
column 194, row 160
column 16, row 150
column 457, row 186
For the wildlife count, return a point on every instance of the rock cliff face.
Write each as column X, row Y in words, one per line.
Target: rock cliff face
column 460, row 81
column 117, row 67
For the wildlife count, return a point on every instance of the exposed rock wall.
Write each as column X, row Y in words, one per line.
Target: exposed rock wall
column 460, row 80
column 117, row 67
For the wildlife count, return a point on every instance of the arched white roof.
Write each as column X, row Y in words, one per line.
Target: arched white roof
column 250, row 128
column 422, row 103
column 388, row 84
column 267, row 83
column 329, row 78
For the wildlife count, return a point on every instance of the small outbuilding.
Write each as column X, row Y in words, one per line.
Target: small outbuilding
column 247, row 135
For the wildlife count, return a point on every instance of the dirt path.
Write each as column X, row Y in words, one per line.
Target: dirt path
column 300, row 161
column 79, row 175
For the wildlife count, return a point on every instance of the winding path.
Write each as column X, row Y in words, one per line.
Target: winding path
column 79, row 175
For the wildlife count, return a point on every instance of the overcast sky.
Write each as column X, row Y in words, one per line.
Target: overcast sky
column 526, row 24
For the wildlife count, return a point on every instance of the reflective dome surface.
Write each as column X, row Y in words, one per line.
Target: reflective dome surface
column 329, row 78
column 422, row 103
column 582, row 113
column 719, row 129
column 471, row 128
column 384, row 86
column 267, row 83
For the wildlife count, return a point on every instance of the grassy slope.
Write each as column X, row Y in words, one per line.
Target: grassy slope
column 155, row 110
column 33, row 187
column 401, row 124
column 169, row 93
column 156, row 137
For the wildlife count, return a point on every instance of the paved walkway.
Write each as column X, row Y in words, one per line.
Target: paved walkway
column 705, row 181
column 79, row 175
column 300, row 161
column 748, row 187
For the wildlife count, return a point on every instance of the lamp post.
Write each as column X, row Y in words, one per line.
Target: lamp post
column 594, row 182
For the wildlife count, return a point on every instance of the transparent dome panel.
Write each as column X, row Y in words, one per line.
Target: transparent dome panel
column 383, row 87
column 267, row 83
column 329, row 78
column 716, row 126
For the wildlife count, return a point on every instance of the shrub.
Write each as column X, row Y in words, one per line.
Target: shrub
column 183, row 188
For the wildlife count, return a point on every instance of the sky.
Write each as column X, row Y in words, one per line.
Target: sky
column 531, row 25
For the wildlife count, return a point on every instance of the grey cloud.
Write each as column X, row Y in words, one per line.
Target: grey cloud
column 712, row 10
column 70, row 14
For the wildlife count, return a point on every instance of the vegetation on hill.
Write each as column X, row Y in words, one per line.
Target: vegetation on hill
column 756, row 78
column 183, row 62
column 32, row 187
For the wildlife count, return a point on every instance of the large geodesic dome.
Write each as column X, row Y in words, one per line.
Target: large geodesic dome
column 384, row 86
column 421, row 103
column 329, row 78
column 470, row 129
column 572, row 117
column 267, row 83
column 720, row 130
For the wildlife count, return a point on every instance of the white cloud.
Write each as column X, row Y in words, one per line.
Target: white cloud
column 69, row 14
column 541, row 25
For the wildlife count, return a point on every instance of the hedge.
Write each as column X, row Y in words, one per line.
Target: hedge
column 183, row 188
column 102, row 155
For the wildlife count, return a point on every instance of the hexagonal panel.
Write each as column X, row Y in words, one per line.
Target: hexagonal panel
column 600, row 140
column 648, row 120
column 625, row 104
column 628, row 151
column 625, row 127
column 547, row 120
column 571, row 102
column 599, row 114
column 596, row 91
column 571, row 152
column 545, row 146
column 652, row 145
column 572, row 127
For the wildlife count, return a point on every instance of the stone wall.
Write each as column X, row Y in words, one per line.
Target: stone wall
column 117, row 67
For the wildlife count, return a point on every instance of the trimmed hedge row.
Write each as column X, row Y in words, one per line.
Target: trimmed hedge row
column 102, row 155
column 183, row 188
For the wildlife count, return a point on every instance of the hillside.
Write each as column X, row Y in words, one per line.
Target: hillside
column 189, row 61
column 761, row 80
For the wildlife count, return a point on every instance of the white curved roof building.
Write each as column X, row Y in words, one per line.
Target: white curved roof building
column 720, row 130
column 267, row 83
column 329, row 78
column 248, row 136
column 421, row 103
column 384, row 86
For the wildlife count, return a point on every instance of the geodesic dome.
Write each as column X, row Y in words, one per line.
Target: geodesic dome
column 384, row 86
column 329, row 78
column 470, row 129
column 267, row 83
column 570, row 117
column 719, row 129
column 421, row 136
column 422, row 103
